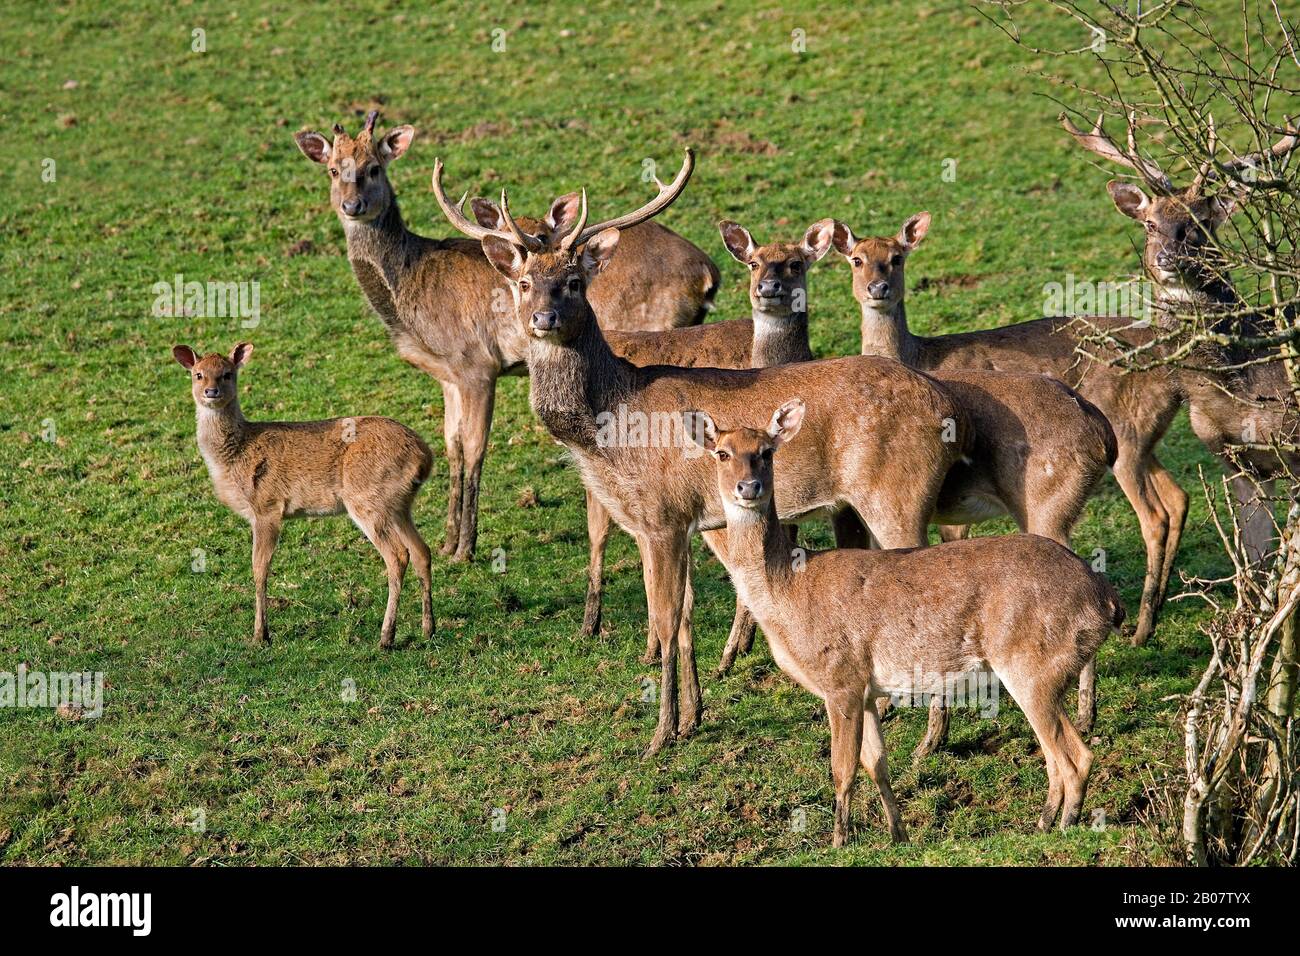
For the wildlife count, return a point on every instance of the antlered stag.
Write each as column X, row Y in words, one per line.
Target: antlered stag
column 436, row 297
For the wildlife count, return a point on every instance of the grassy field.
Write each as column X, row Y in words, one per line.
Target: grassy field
column 172, row 161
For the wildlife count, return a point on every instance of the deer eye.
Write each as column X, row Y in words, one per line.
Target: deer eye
column 373, row 171
column 767, row 454
column 856, row 262
column 575, row 284
column 198, row 376
column 895, row 260
column 796, row 266
column 524, row 285
column 753, row 265
column 225, row 376
column 723, row 456
column 334, row 172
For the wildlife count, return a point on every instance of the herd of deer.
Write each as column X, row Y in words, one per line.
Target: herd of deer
column 949, row 430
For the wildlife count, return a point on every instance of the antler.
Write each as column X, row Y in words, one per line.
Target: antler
column 1251, row 160
column 667, row 196
column 456, row 216
column 1207, row 167
column 1101, row 144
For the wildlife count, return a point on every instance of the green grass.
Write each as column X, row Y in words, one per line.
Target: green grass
column 173, row 161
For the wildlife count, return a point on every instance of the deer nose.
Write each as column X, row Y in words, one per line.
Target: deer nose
column 749, row 489
column 353, row 207
column 211, row 392
column 769, row 288
column 878, row 289
column 545, row 320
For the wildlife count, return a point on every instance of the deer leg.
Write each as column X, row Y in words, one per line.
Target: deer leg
column 954, row 532
column 1255, row 518
column 419, row 555
column 663, row 563
column 1075, row 784
column 476, row 424
column 598, row 524
column 455, row 465
column 1086, row 717
column 266, row 532
column 691, row 709
column 877, row 767
column 845, row 714
column 1134, row 480
column 388, row 543
column 1174, row 500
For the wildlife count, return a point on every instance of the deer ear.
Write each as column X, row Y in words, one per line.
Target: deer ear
column 486, row 213
column 599, row 250
column 504, row 256
column 395, row 142
column 313, row 145
column 737, row 240
column 817, row 240
column 564, row 213
column 185, row 355
column 241, row 353
column 699, row 429
column 914, row 230
column 786, row 421
column 1222, row 207
column 843, row 239
column 1128, row 199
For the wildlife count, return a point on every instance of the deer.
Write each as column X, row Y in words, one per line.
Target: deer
column 877, row 430
column 775, row 334
column 369, row 467
column 1238, row 412
column 436, row 297
column 1139, row 406
column 851, row 625
column 1041, row 448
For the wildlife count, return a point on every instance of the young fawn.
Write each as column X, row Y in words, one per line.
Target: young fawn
column 852, row 625
column 268, row 471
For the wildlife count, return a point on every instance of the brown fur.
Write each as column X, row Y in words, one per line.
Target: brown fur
column 266, row 472
column 781, row 337
column 1139, row 406
column 876, row 447
column 1021, row 606
column 437, row 299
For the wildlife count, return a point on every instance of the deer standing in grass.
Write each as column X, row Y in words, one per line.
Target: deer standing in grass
column 1041, row 449
column 852, row 625
column 436, row 297
column 266, row 472
column 876, row 430
column 1236, row 401
column 1138, row 406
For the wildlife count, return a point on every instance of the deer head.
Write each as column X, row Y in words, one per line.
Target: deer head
column 1180, row 223
column 878, row 261
column 778, row 271
column 547, row 231
column 358, row 166
column 548, row 277
column 213, row 378
column 743, row 456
